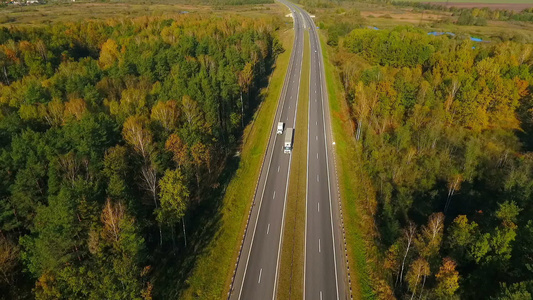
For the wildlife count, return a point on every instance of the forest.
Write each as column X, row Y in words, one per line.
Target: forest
column 114, row 141
column 445, row 128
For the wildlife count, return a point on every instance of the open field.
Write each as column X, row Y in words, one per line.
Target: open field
column 510, row 5
column 35, row 15
column 291, row 274
column 213, row 271
column 479, row 2
column 387, row 16
column 403, row 16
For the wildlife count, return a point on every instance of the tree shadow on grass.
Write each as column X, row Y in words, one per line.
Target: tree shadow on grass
column 174, row 265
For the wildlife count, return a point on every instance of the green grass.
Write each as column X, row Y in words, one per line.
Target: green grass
column 387, row 17
column 493, row 31
column 212, row 274
column 350, row 187
column 291, row 277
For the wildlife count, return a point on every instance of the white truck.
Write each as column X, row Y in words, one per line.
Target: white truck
column 281, row 126
column 287, row 146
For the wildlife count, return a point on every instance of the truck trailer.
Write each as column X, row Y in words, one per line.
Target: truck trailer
column 287, row 147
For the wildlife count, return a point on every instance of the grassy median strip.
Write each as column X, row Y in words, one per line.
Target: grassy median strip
column 214, row 269
column 291, row 273
column 350, row 174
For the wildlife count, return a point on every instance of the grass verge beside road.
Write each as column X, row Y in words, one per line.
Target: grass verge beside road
column 350, row 174
column 213, row 272
column 291, row 273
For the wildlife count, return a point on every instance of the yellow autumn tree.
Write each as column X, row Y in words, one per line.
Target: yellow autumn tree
column 447, row 279
column 111, row 216
column 166, row 113
column 53, row 112
column 137, row 135
column 418, row 272
column 179, row 150
column 109, row 54
column 75, row 108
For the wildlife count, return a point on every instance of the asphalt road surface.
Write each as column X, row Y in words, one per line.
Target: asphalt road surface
column 324, row 262
column 257, row 270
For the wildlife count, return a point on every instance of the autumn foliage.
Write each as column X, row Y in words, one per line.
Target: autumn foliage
column 444, row 126
column 111, row 135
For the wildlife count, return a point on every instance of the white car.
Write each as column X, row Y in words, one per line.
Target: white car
column 281, row 126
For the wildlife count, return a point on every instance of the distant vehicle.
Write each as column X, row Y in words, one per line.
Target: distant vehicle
column 281, row 126
column 287, row 147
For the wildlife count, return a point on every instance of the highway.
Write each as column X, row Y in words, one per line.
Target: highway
column 257, row 269
column 258, row 266
column 324, row 264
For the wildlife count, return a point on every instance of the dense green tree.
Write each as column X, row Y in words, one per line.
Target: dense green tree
column 440, row 124
column 92, row 114
column 174, row 198
column 516, row 291
column 57, row 240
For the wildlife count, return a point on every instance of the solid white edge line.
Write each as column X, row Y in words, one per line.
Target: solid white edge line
column 307, row 173
column 280, row 107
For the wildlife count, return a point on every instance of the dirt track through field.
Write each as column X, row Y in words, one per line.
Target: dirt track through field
column 506, row 6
